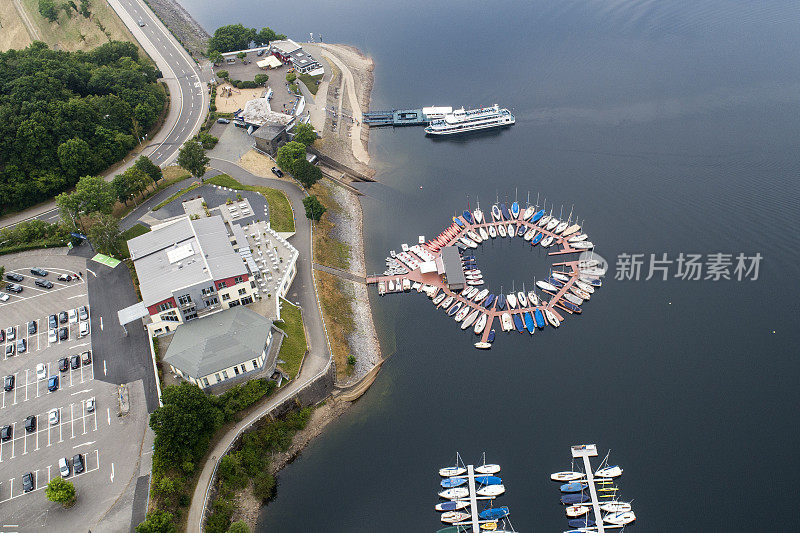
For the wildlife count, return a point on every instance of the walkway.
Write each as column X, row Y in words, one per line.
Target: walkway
column 340, row 273
column 302, row 290
column 28, row 24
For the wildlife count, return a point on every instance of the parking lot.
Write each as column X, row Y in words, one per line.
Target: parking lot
column 47, row 407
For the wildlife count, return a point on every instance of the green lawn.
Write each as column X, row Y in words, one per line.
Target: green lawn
column 280, row 211
column 310, row 82
column 294, row 344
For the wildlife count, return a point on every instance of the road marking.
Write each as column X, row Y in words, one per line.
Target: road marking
column 112, row 472
column 81, row 391
column 108, row 412
column 89, row 270
column 105, row 370
column 84, row 444
column 76, row 296
column 101, row 323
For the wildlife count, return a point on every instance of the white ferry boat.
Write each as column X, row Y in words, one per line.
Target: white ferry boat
column 461, row 120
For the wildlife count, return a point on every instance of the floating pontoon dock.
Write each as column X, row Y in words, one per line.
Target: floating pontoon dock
column 405, row 117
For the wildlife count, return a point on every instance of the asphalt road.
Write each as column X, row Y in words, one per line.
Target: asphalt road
column 188, row 95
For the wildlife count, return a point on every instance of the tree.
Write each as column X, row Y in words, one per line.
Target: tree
column 105, row 235
column 60, row 491
column 241, row 55
column 314, row 209
column 289, row 153
column 290, row 77
column 261, row 79
column 193, row 158
column 75, row 156
column 95, row 195
column 184, row 424
column 222, row 74
column 69, row 207
column 230, row 38
column 239, row 527
column 157, row 522
column 304, row 133
column 47, row 8
column 152, row 170
column 215, row 56
column 306, row 173
column 266, row 36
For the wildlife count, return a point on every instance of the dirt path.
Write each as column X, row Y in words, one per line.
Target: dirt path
column 32, row 32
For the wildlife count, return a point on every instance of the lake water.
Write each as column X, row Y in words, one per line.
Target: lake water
column 671, row 127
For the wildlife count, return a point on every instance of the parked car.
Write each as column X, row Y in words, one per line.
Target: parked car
column 27, row 482
column 32, row 328
column 52, row 384
column 90, row 405
column 230, row 61
column 73, row 316
column 64, row 277
column 75, row 361
column 83, row 312
column 278, row 172
column 30, row 424
column 63, row 467
column 9, row 350
column 13, row 276
column 63, row 364
column 11, row 333
column 83, row 329
column 22, row 346
column 52, row 336
column 2, row 335
column 13, row 287
column 77, row 463
column 223, row 121
column 4, row 297
column 86, row 358
column 8, row 383
column 63, row 317
column 52, row 322
column 5, row 433
column 41, row 371
column 63, row 334
column 43, row 283
column 52, row 417
column 260, row 53
column 141, row 23
column 38, row 271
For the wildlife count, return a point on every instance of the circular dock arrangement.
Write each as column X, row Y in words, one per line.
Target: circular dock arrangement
column 447, row 272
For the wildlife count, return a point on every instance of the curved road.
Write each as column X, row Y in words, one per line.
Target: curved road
column 188, row 95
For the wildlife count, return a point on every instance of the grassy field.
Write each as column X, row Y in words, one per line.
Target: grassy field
column 172, row 175
column 327, row 250
column 280, row 210
column 294, row 344
column 76, row 32
column 338, row 319
column 310, row 82
column 13, row 33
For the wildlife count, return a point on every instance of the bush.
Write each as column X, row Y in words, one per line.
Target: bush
column 290, row 77
column 60, row 491
column 351, row 359
column 220, row 518
column 261, row 79
column 47, row 8
column 244, row 395
column 223, row 74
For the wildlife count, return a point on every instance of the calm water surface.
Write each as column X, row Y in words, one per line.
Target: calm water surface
column 671, row 126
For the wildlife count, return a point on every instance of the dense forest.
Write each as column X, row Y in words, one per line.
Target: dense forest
column 64, row 115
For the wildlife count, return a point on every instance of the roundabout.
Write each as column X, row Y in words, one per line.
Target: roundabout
column 447, row 272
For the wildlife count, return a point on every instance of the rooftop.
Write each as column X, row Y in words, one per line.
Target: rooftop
column 258, row 112
column 181, row 253
column 207, row 345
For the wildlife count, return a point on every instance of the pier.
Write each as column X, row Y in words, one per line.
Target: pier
column 430, row 251
column 405, row 117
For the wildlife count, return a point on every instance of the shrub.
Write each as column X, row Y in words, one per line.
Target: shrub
column 261, row 79
column 223, row 74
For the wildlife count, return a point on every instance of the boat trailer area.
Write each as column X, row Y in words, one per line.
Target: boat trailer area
column 435, row 282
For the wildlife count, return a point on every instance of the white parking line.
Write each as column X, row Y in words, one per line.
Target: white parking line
column 84, row 444
column 76, row 296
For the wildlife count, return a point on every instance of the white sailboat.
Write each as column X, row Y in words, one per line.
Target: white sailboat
column 560, row 276
column 506, row 323
column 478, row 214
column 512, row 301
column 447, row 301
column 609, row 472
column 480, row 324
column 551, row 225
column 570, row 230
column 492, row 232
column 574, row 511
column 501, row 229
column 543, row 221
column 451, row 517
column 567, row 476
column 552, row 318
column 511, row 230
column 483, row 234
column 529, row 234
column 491, row 490
column 470, row 319
column 487, row 469
column 462, row 313
column 578, row 238
column 615, row 507
column 481, row 295
column 528, row 213
column 451, row 471
column 582, row 285
column 620, row 519
column 546, row 286
column 533, row 299
column 582, row 245
column 438, row 299
column 523, row 301
column 561, row 227
column 547, row 241
column 456, row 493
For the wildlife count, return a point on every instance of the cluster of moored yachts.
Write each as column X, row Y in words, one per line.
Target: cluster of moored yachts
column 457, row 510
column 576, row 496
column 472, row 228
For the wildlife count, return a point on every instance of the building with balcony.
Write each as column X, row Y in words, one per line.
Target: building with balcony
column 187, row 269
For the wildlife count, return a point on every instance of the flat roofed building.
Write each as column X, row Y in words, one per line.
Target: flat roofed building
column 289, row 51
column 453, row 271
column 237, row 344
column 186, row 269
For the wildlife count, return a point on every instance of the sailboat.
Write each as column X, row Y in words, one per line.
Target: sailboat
column 494, row 513
column 450, row 482
column 620, row 519
column 552, row 318
column 609, row 472
column 537, row 216
column 451, row 517
column 573, row 486
column 574, row 511
column 470, row 319
column 492, row 232
column 615, row 507
column 496, row 213
column 537, row 314
column 567, row 476
column 451, row 506
column 506, row 323
column 446, row 303
column 501, row 229
column 536, row 239
column 491, row 490
column 515, row 210
column 528, row 213
column 512, row 301
column 487, row 469
column 480, row 324
column 478, row 214
column 483, row 234
column 546, row 286
column 533, row 299
column 456, row 493
column 467, row 216
column 529, row 325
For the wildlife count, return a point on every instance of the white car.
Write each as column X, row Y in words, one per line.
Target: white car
column 4, row 297
column 52, row 417
column 90, row 405
column 73, row 316
column 63, row 467
column 41, row 371
column 52, row 336
column 83, row 329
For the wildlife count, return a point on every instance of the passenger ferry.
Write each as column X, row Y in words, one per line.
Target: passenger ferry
column 461, row 120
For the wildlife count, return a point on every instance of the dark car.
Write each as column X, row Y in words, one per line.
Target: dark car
column 63, row 317
column 52, row 322
column 223, row 121
column 27, row 482
column 43, row 283
column 8, row 383
column 260, row 53
column 30, row 424
column 83, row 313
column 86, row 357
column 52, row 383
column 63, row 364
column 22, row 346
column 278, row 172
column 13, row 276
column 32, row 327
column 38, row 271
column 5, row 433
column 9, row 349
column 63, row 333
column 13, row 287
column 77, row 463
column 75, row 361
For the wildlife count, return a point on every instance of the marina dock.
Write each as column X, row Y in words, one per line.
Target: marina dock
column 405, row 117
column 431, row 251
